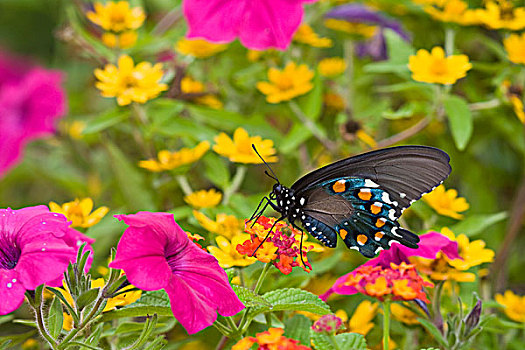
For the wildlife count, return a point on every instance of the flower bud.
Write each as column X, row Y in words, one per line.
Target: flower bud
column 472, row 319
column 327, row 324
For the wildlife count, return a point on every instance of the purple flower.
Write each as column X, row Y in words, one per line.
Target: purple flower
column 429, row 246
column 31, row 100
column 156, row 254
column 327, row 324
column 33, row 251
column 259, row 24
column 357, row 13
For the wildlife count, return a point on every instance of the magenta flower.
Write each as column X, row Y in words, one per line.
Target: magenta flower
column 156, row 254
column 31, row 100
column 429, row 245
column 259, row 24
column 32, row 252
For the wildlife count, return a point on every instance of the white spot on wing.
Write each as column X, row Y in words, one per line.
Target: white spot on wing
column 392, row 214
column 378, row 250
column 402, row 195
column 394, row 232
column 370, row 183
column 302, row 200
column 391, row 242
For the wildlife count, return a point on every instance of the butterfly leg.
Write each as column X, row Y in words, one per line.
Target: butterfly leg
column 301, row 244
column 267, row 235
column 258, row 213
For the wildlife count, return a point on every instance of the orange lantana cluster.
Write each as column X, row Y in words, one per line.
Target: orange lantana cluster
column 269, row 340
column 397, row 282
column 282, row 247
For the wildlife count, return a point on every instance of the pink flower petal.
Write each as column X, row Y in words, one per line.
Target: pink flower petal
column 259, row 24
column 11, row 291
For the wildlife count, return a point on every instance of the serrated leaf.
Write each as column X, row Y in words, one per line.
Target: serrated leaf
column 432, row 329
column 249, row 298
column 352, row 341
column 152, row 298
column 475, row 224
column 460, row 120
column 87, row 298
column 55, row 318
column 298, row 328
column 130, row 181
column 292, row 299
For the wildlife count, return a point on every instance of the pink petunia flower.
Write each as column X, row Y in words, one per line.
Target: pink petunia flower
column 156, row 254
column 429, row 245
column 31, row 101
column 259, row 24
column 33, row 251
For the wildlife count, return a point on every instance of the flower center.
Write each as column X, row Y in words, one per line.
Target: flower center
column 9, row 254
column 506, row 12
column 285, row 83
column 117, row 17
column 439, row 67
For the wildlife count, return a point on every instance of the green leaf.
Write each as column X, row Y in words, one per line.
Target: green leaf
column 217, row 170
column 352, row 341
column 11, row 340
column 292, row 299
column 153, row 298
column 55, row 318
column 298, row 328
column 475, row 224
column 296, row 136
column 460, row 120
column 432, row 329
column 94, row 338
column 137, row 311
column 104, row 121
column 311, row 104
column 249, row 298
column 6, row 318
column 130, row 181
column 87, row 298
column 408, row 110
column 398, row 49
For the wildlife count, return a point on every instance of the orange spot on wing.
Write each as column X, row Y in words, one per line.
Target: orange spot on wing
column 343, row 233
column 379, row 235
column 361, row 239
column 380, row 222
column 339, row 186
column 365, row 195
column 375, row 209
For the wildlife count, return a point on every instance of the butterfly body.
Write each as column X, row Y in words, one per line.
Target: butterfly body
column 361, row 198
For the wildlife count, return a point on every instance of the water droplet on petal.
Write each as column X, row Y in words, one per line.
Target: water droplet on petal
column 9, row 285
column 14, row 280
column 43, row 222
column 43, row 249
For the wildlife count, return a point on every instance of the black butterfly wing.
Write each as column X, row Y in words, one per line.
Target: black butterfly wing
column 360, row 198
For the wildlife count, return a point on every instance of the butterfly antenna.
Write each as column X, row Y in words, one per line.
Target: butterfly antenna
column 274, row 176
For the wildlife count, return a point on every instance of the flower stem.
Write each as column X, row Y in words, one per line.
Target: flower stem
column 37, row 308
column 242, row 324
column 348, row 52
column 184, row 184
column 236, row 183
column 386, row 324
column 310, row 125
column 331, row 336
column 222, row 328
column 450, row 35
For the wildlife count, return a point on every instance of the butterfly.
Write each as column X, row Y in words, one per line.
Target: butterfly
column 360, row 198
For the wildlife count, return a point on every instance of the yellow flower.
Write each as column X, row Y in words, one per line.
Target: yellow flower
column 79, row 212
column 227, row 254
column 239, row 150
column 515, row 46
column 472, row 253
column 204, row 199
column 191, row 86
column 403, row 314
column 514, row 305
column 446, row 203
column 443, row 268
column 366, row 138
column 306, row 35
column 167, row 160
column 332, row 67
column 124, row 40
column 75, row 129
column 224, row 224
column 116, row 16
column 199, row 48
column 30, row 344
column 341, row 25
column 334, row 101
column 130, row 83
column 121, row 299
column 517, row 105
column 456, row 11
column 286, row 84
column 361, row 320
column 502, row 15
column 434, row 67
